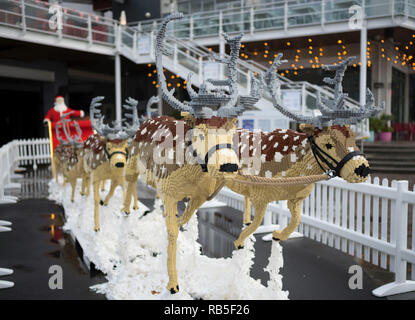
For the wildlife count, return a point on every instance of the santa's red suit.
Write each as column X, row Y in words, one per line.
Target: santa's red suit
column 60, row 110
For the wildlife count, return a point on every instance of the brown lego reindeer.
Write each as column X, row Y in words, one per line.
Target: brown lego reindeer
column 189, row 158
column 132, row 169
column 73, row 167
column 325, row 145
column 60, row 151
column 106, row 153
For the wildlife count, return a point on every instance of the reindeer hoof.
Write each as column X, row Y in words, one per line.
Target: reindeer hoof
column 101, row 202
column 125, row 213
column 276, row 239
column 174, row 290
column 97, row 229
column 240, row 247
column 146, row 212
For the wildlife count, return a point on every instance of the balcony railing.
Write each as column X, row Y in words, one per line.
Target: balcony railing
column 279, row 16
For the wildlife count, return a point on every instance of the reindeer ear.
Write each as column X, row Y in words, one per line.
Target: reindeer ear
column 307, row 128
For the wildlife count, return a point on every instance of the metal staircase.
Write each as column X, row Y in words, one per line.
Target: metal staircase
column 28, row 20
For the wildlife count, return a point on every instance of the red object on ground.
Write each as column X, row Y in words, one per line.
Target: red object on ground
column 86, row 128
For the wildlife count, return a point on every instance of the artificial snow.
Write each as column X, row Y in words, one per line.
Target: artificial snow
column 132, row 251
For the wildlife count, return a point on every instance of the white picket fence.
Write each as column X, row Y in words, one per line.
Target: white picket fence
column 373, row 221
column 20, row 152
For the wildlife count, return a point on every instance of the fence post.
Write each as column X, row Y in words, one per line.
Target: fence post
column 23, row 12
column 191, row 34
column 399, row 224
column 285, row 15
column 251, row 20
column 175, row 53
column 135, row 44
column 89, row 30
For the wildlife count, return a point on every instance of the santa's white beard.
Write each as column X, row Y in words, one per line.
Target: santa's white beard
column 60, row 106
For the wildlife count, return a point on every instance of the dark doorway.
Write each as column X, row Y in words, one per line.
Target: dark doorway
column 21, row 112
column 398, row 95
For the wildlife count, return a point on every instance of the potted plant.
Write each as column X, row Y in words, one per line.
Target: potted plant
column 385, row 130
column 374, row 126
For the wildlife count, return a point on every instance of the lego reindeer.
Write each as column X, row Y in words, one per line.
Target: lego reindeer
column 106, row 153
column 189, row 158
column 291, row 160
column 73, row 165
column 60, row 151
column 132, row 170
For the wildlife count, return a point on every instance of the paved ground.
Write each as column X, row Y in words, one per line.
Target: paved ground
column 311, row 270
column 31, row 248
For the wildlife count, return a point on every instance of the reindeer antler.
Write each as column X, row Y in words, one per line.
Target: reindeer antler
column 334, row 111
column 160, row 49
column 58, row 125
column 75, row 140
column 228, row 103
column 121, row 129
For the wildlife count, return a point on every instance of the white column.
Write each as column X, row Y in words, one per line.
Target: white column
column 363, row 67
column 117, row 87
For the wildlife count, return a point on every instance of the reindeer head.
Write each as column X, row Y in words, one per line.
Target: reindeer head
column 212, row 111
column 115, row 137
column 331, row 140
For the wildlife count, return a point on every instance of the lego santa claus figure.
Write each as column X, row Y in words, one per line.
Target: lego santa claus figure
column 60, row 109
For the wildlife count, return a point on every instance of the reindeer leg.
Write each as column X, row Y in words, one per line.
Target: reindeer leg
column 192, row 206
column 114, row 184
column 97, row 199
column 172, row 234
column 131, row 186
column 56, row 172
column 247, row 211
column 72, row 182
column 83, row 186
column 87, row 178
column 135, row 205
column 131, row 180
column 259, row 215
column 295, row 209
